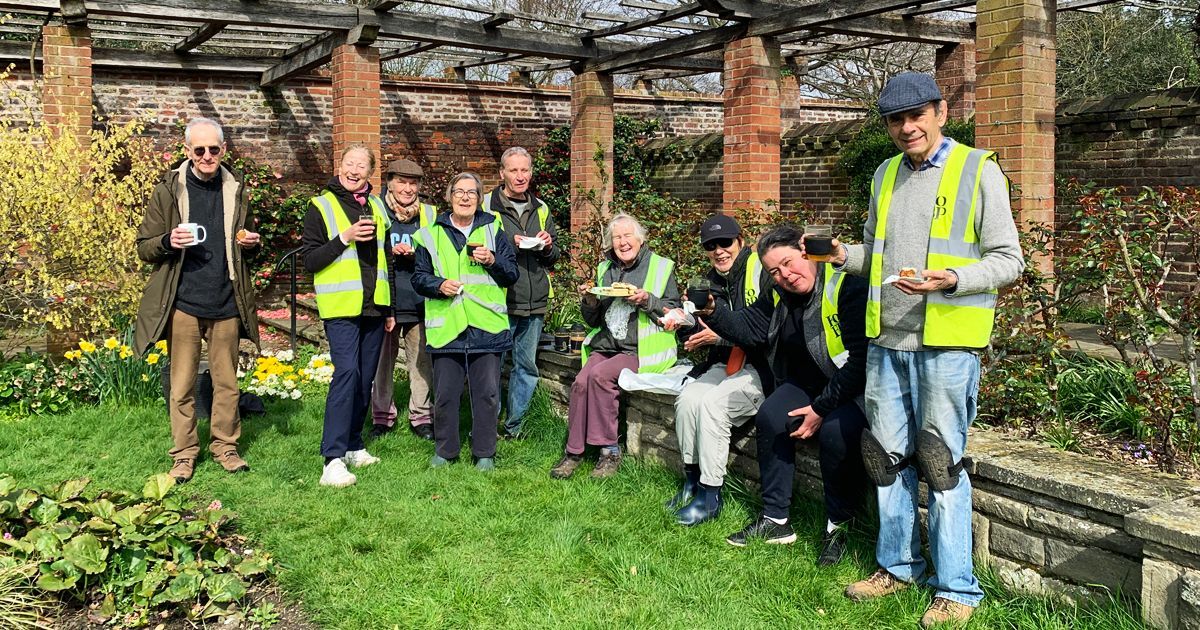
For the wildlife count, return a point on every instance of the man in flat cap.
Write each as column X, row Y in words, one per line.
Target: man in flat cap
column 408, row 214
column 950, row 237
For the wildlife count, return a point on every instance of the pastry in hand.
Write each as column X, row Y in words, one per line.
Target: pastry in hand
column 908, row 272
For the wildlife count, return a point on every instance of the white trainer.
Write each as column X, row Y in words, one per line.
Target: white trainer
column 336, row 475
column 360, row 458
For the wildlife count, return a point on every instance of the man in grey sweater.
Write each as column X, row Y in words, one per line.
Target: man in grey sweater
column 943, row 210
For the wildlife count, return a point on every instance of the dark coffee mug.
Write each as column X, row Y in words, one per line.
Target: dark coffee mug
column 471, row 249
column 699, row 296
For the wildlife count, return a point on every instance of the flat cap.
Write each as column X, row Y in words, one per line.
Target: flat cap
column 406, row 168
column 908, row 90
column 719, row 226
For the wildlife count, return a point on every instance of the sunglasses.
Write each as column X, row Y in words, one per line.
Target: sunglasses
column 199, row 151
column 723, row 243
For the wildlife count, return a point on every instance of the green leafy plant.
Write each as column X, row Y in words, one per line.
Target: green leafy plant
column 30, row 384
column 129, row 554
column 114, row 373
column 264, row 616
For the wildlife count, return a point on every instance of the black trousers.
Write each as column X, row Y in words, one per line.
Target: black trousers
column 839, row 438
column 354, row 345
column 483, row 373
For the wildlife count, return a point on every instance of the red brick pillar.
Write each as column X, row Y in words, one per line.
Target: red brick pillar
column 591, row 147
column 67, row 89
column 954, row 70
column 355, row 71
column 752, row 122
column 1014, row 107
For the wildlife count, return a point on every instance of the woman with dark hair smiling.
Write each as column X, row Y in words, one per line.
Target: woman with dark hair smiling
column 817, row 352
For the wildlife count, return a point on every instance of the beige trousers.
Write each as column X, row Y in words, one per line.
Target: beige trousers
column 183, row 338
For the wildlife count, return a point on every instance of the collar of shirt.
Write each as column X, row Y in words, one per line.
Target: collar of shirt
column 938, row 159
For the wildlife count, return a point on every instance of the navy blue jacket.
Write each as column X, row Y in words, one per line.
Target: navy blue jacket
column 503, row 271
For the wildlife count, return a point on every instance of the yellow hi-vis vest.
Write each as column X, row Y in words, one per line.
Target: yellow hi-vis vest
column 830, row 320
column 753, row 280
column 656, row 347
column 338, row 286
column 543, row 214
column 950, row 321
column 426, row 215
column 481, row 304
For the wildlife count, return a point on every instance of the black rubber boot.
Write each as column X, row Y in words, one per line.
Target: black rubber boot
column 691, row 479
column 705, row 506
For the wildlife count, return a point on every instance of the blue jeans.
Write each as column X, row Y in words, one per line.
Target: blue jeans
column 908, row 392
column 523, row 379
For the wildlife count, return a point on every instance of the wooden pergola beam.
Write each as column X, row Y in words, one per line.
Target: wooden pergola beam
column 652, row 20
column 383, row 6
column 925, row 31
column 199, row 36
column 74, row 12
column 412, row 49
column 313, row 56
column 487, row 61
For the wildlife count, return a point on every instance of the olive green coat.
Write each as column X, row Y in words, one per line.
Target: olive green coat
column 168, row 208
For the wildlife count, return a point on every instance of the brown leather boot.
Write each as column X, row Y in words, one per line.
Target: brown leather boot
column 880, row 583
column 607, row 466
column 566, row 466
column 946, row 612
column 182, row 470
column 232, row 462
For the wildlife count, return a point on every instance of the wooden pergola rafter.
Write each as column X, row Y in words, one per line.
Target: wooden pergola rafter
column 281, row 39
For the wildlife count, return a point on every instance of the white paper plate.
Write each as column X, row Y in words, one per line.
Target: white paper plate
column 532, row 243
column 894, row 279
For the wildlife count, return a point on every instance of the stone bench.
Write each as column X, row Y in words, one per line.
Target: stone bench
column 1049, row 522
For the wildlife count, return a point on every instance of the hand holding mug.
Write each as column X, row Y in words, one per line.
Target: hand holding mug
column 188, row 234
column 362, row 230
column 483, row 256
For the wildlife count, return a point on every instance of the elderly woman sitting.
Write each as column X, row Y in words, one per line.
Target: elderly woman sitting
column 625, row 334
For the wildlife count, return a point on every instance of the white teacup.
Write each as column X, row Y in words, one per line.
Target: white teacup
column 199, row 234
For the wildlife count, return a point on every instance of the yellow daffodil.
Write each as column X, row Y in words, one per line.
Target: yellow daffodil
column 111, row 343
column 152, row 358
column 69, row 355
column 87, row 346
column 125, row 352
column 145, row 378
column 161, row 346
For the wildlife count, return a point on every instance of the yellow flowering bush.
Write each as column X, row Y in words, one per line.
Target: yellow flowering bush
column 274, row 377
column 69, row 216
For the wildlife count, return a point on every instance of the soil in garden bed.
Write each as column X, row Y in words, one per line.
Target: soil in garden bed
column 1129, row 452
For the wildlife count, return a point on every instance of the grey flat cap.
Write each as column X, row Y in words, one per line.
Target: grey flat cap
column 906, row 91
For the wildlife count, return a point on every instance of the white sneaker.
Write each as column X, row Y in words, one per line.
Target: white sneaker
column 336, row 475
column 360, row 458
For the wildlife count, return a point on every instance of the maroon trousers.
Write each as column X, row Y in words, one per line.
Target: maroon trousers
column 592, row 417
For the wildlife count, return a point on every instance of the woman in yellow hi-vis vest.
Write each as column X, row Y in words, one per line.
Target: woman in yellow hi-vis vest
column 809, row 337
column 464, row 266
column 344, row 231
column 625, row 334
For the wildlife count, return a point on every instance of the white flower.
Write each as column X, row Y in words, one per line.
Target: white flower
column 295, row 394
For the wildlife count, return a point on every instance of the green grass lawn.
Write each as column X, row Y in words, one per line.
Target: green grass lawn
column 411, row 547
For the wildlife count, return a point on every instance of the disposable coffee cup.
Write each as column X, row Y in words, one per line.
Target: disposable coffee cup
column 818, row 242
column 199, row 234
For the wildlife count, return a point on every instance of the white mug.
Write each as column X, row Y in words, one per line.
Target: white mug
column 199, row 234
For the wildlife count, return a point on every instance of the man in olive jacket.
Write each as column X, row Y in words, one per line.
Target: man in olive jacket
column 194, row 232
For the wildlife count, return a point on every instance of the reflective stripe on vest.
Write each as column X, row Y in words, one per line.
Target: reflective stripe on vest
column 656, row 347
column 481, row 303
column 338, row 287
column 427, row 215
column 543, row 213
column 829, row 316
column 950, row 321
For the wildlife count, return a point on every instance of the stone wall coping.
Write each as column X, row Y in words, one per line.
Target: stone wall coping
column 1175, row 524
column 1187, row 98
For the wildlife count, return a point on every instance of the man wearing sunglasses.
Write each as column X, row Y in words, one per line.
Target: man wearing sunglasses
column 194, row 232
column 728, row 389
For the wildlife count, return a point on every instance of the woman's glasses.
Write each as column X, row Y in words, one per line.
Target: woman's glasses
column 460, row 192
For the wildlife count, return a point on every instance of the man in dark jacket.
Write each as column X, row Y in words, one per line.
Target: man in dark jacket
column 408, row 214
column 526, row 220
column 193, row 232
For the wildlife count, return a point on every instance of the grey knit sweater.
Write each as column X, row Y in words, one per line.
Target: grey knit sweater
column 902, row 317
